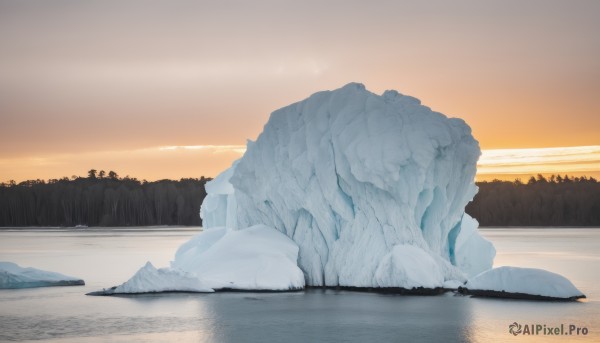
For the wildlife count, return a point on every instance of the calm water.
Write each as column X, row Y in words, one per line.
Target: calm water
column 109, row 256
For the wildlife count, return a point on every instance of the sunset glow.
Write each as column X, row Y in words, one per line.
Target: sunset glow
column 174, row 162
column 169, row 90
column 508, row 164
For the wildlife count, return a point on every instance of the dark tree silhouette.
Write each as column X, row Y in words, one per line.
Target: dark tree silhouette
column 113, row 201
column 557, row 201
column 101, row 202
column 112, row 175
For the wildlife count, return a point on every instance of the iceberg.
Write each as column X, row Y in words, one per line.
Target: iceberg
column 522, row 283
column 347, row 189
column 14, row 276
column 357, row 180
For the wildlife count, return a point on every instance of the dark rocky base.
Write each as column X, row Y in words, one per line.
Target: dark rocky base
column 234, row 290
column 104, row 292
column 420, row 291
column 510, row 295
column 386, row 290
column 381, row 290
column 111, row 291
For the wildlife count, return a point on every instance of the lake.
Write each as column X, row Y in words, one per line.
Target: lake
column 104, row 257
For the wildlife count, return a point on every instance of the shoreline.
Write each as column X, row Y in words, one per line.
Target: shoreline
column 190, row 227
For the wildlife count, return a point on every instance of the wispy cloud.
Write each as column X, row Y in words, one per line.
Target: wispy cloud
column 492, row 161
column 240, row 149
column 508, row 162
column 542, row 160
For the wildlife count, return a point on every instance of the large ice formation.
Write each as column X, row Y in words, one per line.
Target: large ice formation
column 371, row 188
column 347, row 188
column 513, row 282
column 14, row 276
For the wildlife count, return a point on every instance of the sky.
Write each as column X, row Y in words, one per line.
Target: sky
column 171, row 89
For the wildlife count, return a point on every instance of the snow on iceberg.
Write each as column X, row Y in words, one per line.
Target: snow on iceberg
column 14, row 276
column 349, row 176
column 522, row 283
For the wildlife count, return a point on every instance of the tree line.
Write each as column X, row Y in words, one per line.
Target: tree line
column 554, row 201
column 105, row 199
column 101, row 199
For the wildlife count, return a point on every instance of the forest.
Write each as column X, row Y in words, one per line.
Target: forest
column 102, row 199
column 554, row 201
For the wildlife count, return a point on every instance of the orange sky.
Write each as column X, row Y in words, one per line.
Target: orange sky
column 105, row 84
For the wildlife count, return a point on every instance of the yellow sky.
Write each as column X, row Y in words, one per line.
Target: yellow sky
column 103, row 84
column 174, row 162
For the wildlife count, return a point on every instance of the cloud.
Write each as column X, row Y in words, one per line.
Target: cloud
column 217, row 149
column 540, row 160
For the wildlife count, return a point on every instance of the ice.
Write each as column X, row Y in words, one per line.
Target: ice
column 356, row 180
column 14, row 276
column 188, row 253
column 471, row 252
column 256, row 258
column 151, row 280
column 407, row 266
column 514, row 282
column 218, row 208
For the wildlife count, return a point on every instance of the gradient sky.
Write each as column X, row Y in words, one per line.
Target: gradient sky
column 111, row 84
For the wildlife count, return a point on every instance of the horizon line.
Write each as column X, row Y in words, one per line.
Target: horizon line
column 503, row 163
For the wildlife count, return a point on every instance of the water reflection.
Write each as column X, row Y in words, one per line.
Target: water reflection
column 333, row 316
column 492, row 317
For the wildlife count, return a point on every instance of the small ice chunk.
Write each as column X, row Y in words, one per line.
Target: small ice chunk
column 14, row 276
column 151, row 280
column 514, row 282
column 256, row 258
